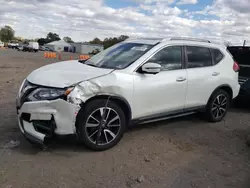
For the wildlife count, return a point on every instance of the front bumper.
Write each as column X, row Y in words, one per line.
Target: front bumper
column 30, row 133
column 39, row 120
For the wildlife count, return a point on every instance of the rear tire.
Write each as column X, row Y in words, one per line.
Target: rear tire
column 98, row 133
column 217, row 106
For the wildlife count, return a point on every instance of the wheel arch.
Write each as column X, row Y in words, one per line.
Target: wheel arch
column 121, row 101
column 224, row 87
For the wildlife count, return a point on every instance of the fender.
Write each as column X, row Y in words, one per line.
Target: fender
column 114, row 97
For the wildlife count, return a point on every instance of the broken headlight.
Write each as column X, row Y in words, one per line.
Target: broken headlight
column 46, row 94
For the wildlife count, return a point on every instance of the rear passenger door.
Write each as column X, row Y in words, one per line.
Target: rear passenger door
column 203, row 77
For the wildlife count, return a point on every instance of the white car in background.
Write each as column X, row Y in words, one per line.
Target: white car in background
column 13, row 45
column 1, row 44
column 135, row 81
column 31, row 47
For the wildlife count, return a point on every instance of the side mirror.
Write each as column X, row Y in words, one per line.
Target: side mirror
column 151, row 68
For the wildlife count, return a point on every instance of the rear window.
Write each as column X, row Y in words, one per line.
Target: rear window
column 217, row 55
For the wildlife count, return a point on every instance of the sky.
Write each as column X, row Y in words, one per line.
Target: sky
column 83, row 20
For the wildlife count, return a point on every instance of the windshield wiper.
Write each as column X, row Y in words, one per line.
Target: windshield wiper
column 92, row 65
column 82, row 60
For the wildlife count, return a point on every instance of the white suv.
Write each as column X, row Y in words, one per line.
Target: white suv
column 135, row 81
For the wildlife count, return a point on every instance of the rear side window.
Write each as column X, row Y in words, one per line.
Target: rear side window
column 217, row 55
column 198, row 57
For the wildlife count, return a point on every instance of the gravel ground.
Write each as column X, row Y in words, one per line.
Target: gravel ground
column 179, row 153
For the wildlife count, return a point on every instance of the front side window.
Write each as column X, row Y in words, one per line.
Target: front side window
column 198, row 57
column 119, row 56
column 169, row 58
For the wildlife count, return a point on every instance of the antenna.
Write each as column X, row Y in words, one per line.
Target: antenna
column 244, row 43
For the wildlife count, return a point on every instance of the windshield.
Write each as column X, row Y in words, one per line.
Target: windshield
column 119, row 56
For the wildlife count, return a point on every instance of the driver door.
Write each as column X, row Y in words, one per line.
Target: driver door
column 163, row 92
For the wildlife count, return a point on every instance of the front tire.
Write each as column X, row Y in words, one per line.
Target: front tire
column 217, row 106
column 101, row 128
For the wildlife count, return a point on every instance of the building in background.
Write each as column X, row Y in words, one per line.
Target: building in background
column 86, row 48
column 59, row 46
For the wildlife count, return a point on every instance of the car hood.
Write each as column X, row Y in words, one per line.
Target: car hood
column 65, row 73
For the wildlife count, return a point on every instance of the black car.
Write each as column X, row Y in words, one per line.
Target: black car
column 241, row 54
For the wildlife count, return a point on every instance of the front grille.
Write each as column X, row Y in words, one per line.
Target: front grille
column 26, row 90
column 242, row 80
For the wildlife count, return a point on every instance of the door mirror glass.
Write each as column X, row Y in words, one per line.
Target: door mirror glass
column 151, row 68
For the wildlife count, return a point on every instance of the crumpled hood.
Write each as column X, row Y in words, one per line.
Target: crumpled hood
column 65, row 73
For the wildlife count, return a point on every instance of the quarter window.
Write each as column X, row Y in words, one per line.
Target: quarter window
column 217, row 55
column 198, row 57
column 169, row 58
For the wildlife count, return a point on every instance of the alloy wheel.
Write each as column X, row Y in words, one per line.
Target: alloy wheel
column 219, row 106
column 103, row 125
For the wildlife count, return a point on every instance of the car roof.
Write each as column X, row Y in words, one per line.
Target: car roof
column 177, row 40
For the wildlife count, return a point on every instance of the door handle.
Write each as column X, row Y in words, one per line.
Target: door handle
column 180, row 79
column 215, row 73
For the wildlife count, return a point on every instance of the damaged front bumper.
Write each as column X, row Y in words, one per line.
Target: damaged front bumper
column 39, row 120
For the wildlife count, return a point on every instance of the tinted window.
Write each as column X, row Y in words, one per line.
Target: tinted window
column 198, row 57
column 169, row 58
column 217, row 55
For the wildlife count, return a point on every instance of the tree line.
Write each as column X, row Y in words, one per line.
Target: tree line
column 7, row 34
column 107, row 42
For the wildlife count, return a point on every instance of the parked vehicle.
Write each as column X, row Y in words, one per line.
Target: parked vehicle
column 135, row 81
column 45, row 48
column 31, row 47
column 21, row 47
column 34, row 46
column 41, row 48
column 13, row 45
column 26, row 48
column 49, row 49
column 241, row 54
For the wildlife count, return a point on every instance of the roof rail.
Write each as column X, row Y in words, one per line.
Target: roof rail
column 145, row 38
column 161, row 39
column 190, row 39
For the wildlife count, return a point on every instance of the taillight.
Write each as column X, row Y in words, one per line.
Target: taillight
column 236, row 67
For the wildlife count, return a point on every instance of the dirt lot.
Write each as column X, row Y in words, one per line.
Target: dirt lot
column 181, row 153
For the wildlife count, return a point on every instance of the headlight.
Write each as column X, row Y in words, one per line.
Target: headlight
column 46, row 94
